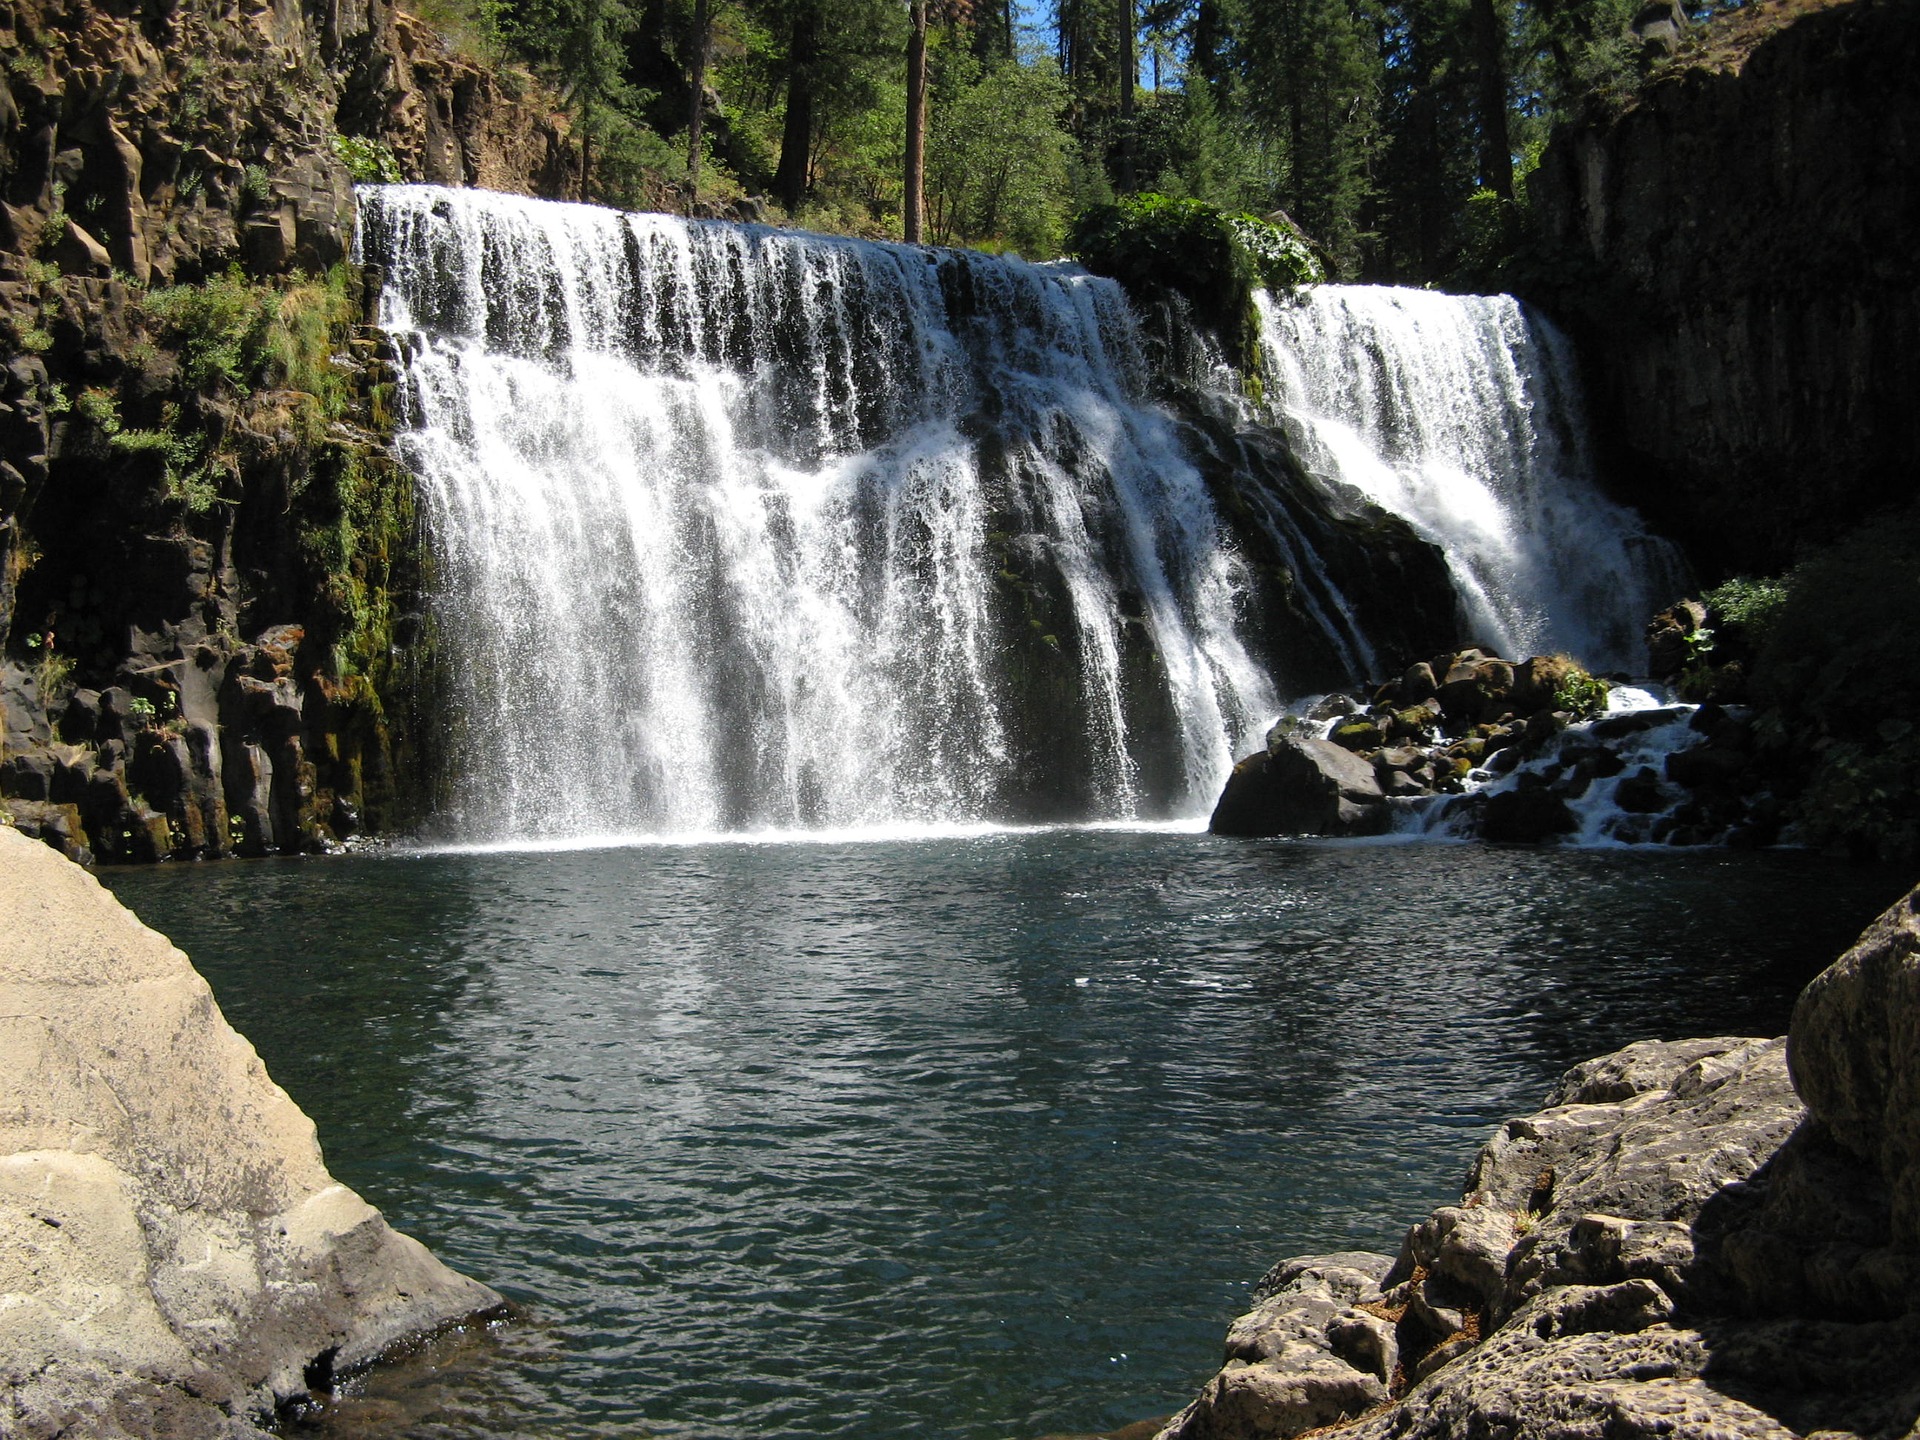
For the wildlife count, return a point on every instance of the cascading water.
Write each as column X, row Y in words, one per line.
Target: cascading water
column 737, row 528
column 1459, row 412
column 742, row 529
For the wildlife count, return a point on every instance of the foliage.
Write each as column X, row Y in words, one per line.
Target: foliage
column 368, row 161
column 997, row 154
column 1838, row 647
column 239, row 334
column 1215, row 259
column 1580, row 694
column 188, row 478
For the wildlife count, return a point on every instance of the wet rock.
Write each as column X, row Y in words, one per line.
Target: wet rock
column 169, row 1235
column 1301, row 787
column 1640, row 793
column 1525, row 815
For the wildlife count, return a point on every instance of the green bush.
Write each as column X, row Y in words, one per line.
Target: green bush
column 1212, row 257
column 1580, row 694
column 368, row 161
column 1837, row 650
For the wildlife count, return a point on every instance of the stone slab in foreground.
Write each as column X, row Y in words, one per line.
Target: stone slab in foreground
column 174, row 1257
column 1676, row 1247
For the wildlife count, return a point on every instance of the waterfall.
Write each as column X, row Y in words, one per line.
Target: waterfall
column 1460, row 413
column 734, row 528
column 739, row 528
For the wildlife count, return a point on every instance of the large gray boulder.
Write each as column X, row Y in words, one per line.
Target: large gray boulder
column 1855, row 1054
column 1301, row 786
column 174, row 1257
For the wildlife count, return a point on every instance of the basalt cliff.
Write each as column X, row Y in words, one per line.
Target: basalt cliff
column 1732, row 250
column 208, row 581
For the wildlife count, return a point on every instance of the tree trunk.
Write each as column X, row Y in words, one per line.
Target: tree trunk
column 1129, row 73
column 697, row 107
column 1489, row 46
column 913, row 207
column 796, row 137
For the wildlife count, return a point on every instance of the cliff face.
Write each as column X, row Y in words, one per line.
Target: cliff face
column 207, row 582
column 1733, row 255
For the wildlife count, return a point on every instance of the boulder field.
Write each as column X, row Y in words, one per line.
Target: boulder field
column 174, row 1257
column 1700, row 1238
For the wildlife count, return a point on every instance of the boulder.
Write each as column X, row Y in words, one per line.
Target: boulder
column 1301, row 787
column 1855, row 1055
column 1525, row 815
column 175, row 1257
column 1677, row 1246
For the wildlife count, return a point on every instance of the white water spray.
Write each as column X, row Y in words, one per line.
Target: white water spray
column 1460, row 413
column 722, row 515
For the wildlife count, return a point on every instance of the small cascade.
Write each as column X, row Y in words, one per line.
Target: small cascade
column 1460, row 413
column 739, row 528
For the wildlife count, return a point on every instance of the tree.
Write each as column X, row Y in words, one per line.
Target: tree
column 912, row 205
column 997, row 165
column 584, row 41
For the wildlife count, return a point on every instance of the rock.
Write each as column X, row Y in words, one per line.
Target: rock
column 1706, row 766
column 1301, row 787
column 1675, row 1247
column 1538, row 681
column 170, row 1240
column 1525, row 815
column 1668, row 633
column 1418, row 684
column 1300, row 1390
column 1855, row 1055
column 1640, row 793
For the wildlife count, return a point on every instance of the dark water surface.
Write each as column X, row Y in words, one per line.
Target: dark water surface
column 968, row 1138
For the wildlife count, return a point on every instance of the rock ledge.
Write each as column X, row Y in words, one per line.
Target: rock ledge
column 1676, row 1247
column 174, row 1257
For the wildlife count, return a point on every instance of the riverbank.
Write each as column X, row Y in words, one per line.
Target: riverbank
column 174, row 1257
column 1704, row 1237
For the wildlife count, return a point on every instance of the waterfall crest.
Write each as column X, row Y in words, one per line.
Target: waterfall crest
column 739, row 528
column 735, row 528
column 1460, row 413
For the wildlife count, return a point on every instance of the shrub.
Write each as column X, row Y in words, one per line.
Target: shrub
column 368, row 161
column 1213, row 258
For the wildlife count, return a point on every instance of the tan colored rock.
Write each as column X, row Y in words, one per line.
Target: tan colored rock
column 171, row 1244
column 1855, row 1054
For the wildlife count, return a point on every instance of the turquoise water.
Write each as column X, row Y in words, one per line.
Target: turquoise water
column 971, row 1137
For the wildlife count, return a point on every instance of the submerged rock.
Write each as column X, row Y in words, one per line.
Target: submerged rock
column 174, row 1256
column 1677, row 1246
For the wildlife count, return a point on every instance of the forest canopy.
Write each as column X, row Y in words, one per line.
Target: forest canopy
column 1396, row 134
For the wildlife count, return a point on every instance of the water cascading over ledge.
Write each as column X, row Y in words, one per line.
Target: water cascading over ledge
column 1461, row 414
column 738, row 528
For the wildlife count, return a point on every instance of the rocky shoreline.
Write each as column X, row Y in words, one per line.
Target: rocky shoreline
column 174, row 1257
column 1524, row 751
column 1694, row 1238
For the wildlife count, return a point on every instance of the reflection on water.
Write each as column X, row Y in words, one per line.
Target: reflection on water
column 974, row 1137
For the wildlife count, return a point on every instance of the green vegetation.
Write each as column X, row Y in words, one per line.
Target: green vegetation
column 1826, row 655
column 1398, row 134
column 369, row 162
column 1581, row 695
column 1213, row 258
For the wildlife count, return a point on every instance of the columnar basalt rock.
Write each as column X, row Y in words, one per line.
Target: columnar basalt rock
column 175, row 1257
column 206, row 592
column 1725, row 251
column 1679, row 1245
